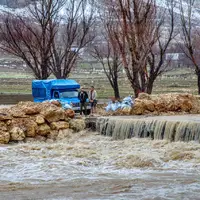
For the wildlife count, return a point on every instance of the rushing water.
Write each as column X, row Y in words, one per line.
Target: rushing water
column 91, row 166
column 174, row 128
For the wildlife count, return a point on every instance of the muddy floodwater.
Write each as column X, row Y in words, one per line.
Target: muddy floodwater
column 90, row 166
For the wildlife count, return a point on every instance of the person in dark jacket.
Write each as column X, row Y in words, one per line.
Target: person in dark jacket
column 83, row 96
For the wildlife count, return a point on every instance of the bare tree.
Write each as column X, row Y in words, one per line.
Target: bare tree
column 73, row 36
column 30, row 37
column 135, row 37
column 191, row 36
column 109, row 57
column 156, row 58
column 105, row 50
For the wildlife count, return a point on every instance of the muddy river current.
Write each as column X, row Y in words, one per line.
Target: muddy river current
column 90, row 166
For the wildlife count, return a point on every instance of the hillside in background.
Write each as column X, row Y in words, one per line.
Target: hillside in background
column 161, row 3
column 15, row 3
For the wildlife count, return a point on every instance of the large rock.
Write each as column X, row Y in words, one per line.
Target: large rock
column 16, row 122
column 4, row 137
column 160, row 105
column 28, row 107
column 43, row 130
column 53, row 114
column 28, row 125
column 59, row 125
column 149, row 105
column 70, row 113
column 138, row 108
column 56, row 103
column 166, row 103
column 31, row 128
column 39, row 120
column 4, row 116
column 17, row 134
column 31, row 110
column 144, row 96
column 17, row 112
column 186, row 106
column 187, row 102
column 40, row 138
column 77, row 124
column 3, row 126
column 65, row 133
column 53, row 134
column 25, row 104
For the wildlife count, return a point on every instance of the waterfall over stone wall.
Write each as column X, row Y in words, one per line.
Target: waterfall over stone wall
column 169, row 129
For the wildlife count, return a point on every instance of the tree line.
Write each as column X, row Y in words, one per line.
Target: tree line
column 134, row 35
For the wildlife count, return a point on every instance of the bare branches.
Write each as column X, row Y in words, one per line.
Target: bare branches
column 188, row 32
column 190, row 36
column 74, row 36
column 105, row 50
column 135, row 37
column 109, row 56
column 31, row 37
column 51, row 37
column 156, row 58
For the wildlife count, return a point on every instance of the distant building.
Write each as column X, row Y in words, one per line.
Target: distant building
column 173, row 56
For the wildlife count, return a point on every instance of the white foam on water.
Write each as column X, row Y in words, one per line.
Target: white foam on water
column 106, row 169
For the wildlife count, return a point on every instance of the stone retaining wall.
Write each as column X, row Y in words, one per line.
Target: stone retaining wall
column 28, row 121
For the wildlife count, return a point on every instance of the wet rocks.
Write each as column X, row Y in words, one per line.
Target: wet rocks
column 53, row 114
column 166, row 103
column 139, row 108
column 4, row 137
column 3, row 126
column 70, row 113
column 59, row 125
column 39, row 120
column 53, row 135
column 144, row 96
column 4, row 116
column 40, row 138
column 28, row 121
column 77, row 125
column 17, row 134
column 31, row 128
column 64, row 134
column 43, row 129
column 31, row 110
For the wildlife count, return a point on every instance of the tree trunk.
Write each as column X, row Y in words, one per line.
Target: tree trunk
column 149, row 88
column 135, row 83
column 61, row 75
column 198, row 79
column 136, row 91
column 58, row 75
column 116, row 91
column 44, row 71
column 143, row 81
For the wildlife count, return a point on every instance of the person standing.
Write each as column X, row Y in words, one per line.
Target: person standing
column 83, row 96
column 93, row 99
